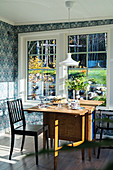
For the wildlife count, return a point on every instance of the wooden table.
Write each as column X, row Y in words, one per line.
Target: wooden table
column 67, row 124
column 69, row 121
column 90, row 133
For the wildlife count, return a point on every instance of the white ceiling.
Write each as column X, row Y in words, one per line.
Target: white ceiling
column 19, row 12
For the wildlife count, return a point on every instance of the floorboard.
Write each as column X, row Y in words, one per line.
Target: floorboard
column 67, row 160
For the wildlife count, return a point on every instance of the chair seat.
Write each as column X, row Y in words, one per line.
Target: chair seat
column 31, row 129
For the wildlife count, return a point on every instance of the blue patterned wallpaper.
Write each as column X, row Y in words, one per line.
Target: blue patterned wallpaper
column 8, row 70
column 8, row 61
column 58, row 26
column 9, row 56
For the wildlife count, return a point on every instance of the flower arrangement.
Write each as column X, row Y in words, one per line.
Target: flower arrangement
column 77, row 84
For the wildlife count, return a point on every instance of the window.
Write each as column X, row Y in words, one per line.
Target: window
column 41, row 73
column 90, row 50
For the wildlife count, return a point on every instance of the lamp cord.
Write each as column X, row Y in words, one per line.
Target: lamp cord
column 69, row 26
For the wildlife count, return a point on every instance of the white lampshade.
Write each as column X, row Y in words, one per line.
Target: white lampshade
column 69, row 61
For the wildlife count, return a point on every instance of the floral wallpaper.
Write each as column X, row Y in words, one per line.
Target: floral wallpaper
column 8, row 71
column 9, row 59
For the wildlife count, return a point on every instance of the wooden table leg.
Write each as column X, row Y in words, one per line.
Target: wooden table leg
column 94, row 124
column 89, row 133
column 44, row 131
column 94, row 128
column 56, row 145
column 51, row 143
column 55, row 162
column 83, row 154
column 83, row 135
column 89, row 152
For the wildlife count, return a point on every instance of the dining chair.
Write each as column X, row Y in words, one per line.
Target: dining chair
column 104, row 126
column 16, row 115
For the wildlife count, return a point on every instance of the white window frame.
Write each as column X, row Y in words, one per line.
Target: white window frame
column 61, row 50
column 23, row 38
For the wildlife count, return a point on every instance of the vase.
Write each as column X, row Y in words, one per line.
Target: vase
column 73, row 95
column 77, row 94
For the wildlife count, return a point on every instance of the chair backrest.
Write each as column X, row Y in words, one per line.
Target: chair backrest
column 16, row 113
column 106, row 114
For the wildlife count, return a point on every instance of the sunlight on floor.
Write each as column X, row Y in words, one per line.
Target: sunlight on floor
column 4, row 154
column 7, row 161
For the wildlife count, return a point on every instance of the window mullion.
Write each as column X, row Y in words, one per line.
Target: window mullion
column 87, row 55
column 42, row 70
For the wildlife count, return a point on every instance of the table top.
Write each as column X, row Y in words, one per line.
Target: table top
column 91, row 102
column 85, row 102
column 54, row 109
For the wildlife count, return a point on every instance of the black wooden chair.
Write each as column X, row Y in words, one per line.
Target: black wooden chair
column 104, row 126
column 16, row 115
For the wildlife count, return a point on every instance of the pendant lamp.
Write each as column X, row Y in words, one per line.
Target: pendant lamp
column 69, row 61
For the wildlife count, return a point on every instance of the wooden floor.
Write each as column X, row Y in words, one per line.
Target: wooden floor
column 70, row 160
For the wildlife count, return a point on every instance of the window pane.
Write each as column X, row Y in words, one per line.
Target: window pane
column 41, row 68
column 40, row 47
column 81, row 58
column 99, row 75
column 97, row 60
column 49, row 47
column 97, row 42
column 97, row 89
column 34, row 84
column 32, row 47
column 91, row 52
column 49, row 61
column 76, row 73
column 77, row 43
column 49, row 77
column 35, row 62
